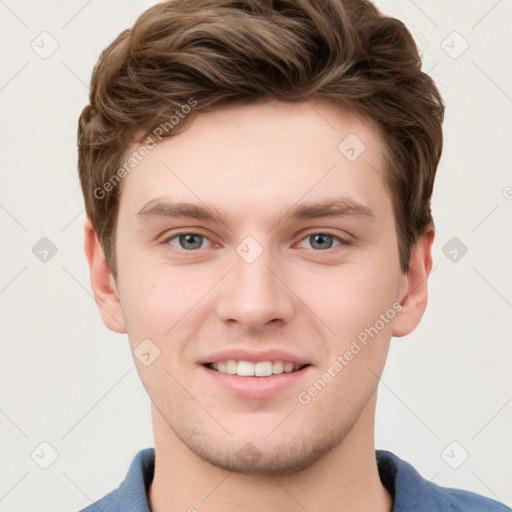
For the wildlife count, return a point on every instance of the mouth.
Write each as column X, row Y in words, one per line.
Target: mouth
column 260, row 374
column 244, row 368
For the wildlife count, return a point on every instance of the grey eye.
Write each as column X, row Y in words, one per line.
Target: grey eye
column 188, row 241
column 321, row 241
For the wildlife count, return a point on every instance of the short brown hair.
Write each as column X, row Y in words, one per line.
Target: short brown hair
column 225, row 52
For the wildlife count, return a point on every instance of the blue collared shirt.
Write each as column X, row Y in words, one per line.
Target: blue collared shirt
column 410, row 492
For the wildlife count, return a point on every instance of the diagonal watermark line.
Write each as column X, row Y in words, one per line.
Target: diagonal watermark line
column 484, row 426
column 194, row 305
column 13, row 218
column 382, row 176
column 14, row 76
column 75, row 74
column 497, row 497
column 280, row 423
column 318, row 112
column 301, row 301
column 72, row 220
column 87, row 413
column 290, row 495
column 486, row 14
column 94, row 298
column 96, row 505
column 432, row 68
column 76, row 14
column 76, row 486
column 77, row 281
column 13, row 279
column 381, row 381
column 492, row 81
column 199, row 403
column 493, row 287
column 420, row 283
column 424, row 13
column 13, row 13
column 14, row 486
column 14, row 423
column 485, row 218
column 302, row 197
column 218, row 485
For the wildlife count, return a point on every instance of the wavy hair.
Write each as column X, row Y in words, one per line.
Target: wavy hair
column 224, row 52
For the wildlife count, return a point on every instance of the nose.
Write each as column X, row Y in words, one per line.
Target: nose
column 255, row 294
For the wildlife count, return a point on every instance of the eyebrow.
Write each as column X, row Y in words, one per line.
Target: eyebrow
column 157, row 208
column 334, row 207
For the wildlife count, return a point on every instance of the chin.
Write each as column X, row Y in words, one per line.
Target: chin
column 283, row 454
column 250, row 460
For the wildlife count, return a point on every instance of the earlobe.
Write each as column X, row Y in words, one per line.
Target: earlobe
column 415, row 286
column 102, row 281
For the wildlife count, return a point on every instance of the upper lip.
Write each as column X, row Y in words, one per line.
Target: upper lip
column 253, row 356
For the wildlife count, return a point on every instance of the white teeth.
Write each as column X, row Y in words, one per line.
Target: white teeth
column 288, row 367
column 250, row 369
column 231, row 366
column 263, row 369
column 245, row 369
column 277, row 367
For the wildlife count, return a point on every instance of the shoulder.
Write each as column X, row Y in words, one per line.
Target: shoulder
column 131, row 495
column 109, row 503
column 413, row 493
column 469, row 501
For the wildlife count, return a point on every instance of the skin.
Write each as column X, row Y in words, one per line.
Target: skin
column 253, row 164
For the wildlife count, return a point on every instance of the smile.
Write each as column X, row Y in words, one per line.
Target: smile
column 254, row 369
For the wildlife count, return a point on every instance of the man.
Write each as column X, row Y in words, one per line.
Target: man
column 257, row 177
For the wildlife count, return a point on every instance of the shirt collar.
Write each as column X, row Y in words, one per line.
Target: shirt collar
column 409, row 490
column 132, row 494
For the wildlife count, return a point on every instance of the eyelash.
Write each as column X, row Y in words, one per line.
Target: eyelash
column 338, row 238
column 342, row 241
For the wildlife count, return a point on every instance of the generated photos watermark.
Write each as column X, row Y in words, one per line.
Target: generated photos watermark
column 342, row 360
column 135, row 157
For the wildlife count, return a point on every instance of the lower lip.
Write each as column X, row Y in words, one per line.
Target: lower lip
column 256, row 387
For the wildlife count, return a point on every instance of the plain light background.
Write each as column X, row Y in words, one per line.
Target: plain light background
column 68, row 382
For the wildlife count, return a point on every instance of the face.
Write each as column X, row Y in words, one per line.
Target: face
column 258, row 266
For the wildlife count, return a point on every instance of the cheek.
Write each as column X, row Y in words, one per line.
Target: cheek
column 357, row 306
column 149, row 303
column 350, row 299
column 158, row 301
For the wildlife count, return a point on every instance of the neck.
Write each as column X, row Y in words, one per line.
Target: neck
column 345, row 479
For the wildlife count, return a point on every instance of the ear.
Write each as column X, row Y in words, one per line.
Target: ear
column 103, row 284
column 414, row 292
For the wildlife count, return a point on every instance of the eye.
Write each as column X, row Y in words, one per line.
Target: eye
column 187, row 241
column 323, row 241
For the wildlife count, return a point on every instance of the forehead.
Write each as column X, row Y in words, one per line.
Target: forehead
column 259, row 157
